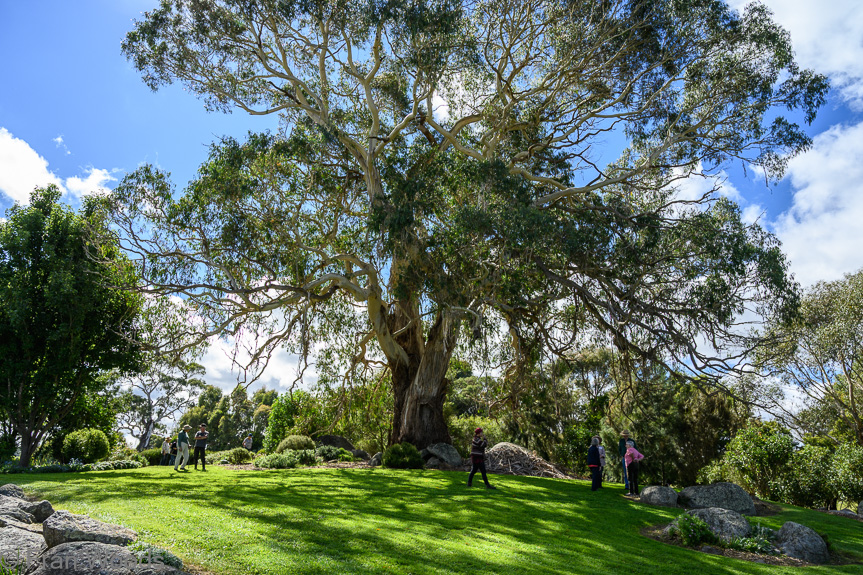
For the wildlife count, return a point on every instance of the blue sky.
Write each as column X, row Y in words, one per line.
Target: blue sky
column 74, row 112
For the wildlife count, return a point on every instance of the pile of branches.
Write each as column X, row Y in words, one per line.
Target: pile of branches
column 510, row 459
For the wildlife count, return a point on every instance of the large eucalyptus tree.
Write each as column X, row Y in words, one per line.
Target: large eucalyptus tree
column 449, row 164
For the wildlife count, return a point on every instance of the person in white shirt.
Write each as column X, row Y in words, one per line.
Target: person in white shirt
column 166, row 451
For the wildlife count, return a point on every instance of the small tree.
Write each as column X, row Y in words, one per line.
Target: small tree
column 60, row 322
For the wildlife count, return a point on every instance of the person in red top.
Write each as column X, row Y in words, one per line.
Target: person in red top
column 632, row 458
column 477, row 458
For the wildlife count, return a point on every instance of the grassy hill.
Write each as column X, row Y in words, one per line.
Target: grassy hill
column 405, row 522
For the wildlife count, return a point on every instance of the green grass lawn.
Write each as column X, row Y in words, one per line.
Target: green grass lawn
column 405, row 522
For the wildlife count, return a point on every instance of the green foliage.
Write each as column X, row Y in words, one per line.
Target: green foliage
column 693, row 531
column 88, row 445
column 295, row 443
column 846, row 472
column 307, row 456
column 402, row 456
column 239, row 456
column 230, row 417
column 809, row 479
column 126, row 453
column 296, row 413
column 153, row 456
column 61, row 324
column 461, row 430
column 758, row 457
column 286, row 460
column 328, row 452
column 147, row 553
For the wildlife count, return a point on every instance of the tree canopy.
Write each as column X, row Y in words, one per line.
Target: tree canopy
column 60, row 324
column 443, row 176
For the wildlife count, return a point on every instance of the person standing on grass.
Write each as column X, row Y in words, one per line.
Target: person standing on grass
column 601, row 460
column 201, row 447
column 593, row 464
column 166, row 451
column 477, row 458
column 632, row 458
column 621, row 451
column 247, row 442
column 173, row 452
column 182, row 449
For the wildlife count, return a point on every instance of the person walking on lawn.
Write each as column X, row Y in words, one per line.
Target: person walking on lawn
column 173, row 452
column 477, row 458
column 201, row 447
column 632, row 458
column 182, row 449
column 594, row 464
column 621, row 451
column 166, row 451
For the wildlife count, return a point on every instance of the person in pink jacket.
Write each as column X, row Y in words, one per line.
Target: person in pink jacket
column 632, row 458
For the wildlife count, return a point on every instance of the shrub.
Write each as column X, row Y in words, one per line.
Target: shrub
column 153, row 456
column 88, row 445
column 402, row 456
column 809, row 481
column 295, row 443
column 146, row 553
column 238, row 456
column 693, row 531
column 846, row 472
column 305, row 456
column 287, row 460
column 328, row 452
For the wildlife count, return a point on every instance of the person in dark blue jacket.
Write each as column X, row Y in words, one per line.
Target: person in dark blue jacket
column 593, row 463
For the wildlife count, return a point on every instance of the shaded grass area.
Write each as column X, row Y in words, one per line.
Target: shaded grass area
column 407, row 522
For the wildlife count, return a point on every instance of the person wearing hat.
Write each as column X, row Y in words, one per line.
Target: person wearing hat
column 182, row 449
column 201, row 447
column 477, row 458
column 166, row 451
column 621, row 450
column 247, row 442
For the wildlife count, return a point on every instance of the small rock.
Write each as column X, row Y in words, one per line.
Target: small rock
column 360, row 454
column 426, row 454
column 433, row 463
column 376, row 459
column 847, row 512
column 12, row 490
column 64, row 527
column 11, row 507
column 723, row 495
column 446, row 453
column 801, row 542
column 659, row 495
column 710, row 549
column 860, row 509
column 40, row 510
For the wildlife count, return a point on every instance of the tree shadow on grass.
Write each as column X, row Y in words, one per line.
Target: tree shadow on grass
column 372, row 521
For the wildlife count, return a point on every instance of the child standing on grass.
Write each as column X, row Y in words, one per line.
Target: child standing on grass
column 477, row 457
column 632, row 457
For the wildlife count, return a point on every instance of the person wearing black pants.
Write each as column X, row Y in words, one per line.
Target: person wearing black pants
column 632, row 458
column 477, row 457
column 593, row 462
column 201, row 447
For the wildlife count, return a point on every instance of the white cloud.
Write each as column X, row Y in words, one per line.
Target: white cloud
column 827, row 37
column 223, row 372
column 96, row 180
column 61, row 144
column 22, row 169
column 821, row 232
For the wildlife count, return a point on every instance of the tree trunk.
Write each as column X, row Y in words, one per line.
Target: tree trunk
column 420, row 388
column 144, row 440
column 29, row 444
